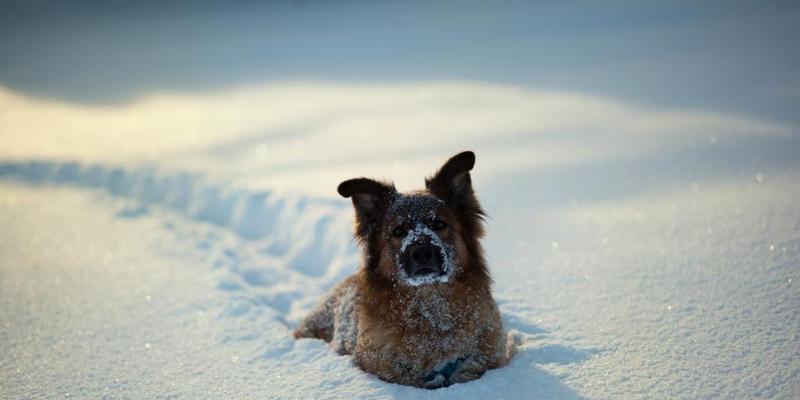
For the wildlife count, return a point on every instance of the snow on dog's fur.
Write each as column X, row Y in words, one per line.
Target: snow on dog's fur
column 419, row 311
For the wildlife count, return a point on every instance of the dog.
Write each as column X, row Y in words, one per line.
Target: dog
column 419, row 311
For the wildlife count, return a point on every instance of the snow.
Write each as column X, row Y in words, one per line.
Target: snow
column 168, row 246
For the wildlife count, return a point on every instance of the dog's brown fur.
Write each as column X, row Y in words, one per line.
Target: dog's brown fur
column 426, row 335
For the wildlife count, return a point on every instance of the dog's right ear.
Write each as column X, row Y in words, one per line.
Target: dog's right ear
column 452, row 182
column 370, row 198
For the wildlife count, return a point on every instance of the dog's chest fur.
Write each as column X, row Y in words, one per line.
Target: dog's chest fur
column 411, row 335
column 429, row 310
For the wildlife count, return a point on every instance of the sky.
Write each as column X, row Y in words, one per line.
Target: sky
column 721, row 56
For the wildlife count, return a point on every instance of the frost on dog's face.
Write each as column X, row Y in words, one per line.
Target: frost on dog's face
column 423, row 237
column 421, row 242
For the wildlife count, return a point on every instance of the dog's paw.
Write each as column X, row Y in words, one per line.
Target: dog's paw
column 469, row 369
column 436, row 381
column 462, row 369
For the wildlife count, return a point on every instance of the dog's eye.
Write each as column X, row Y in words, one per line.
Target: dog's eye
column 399, row 232
column 439, row 225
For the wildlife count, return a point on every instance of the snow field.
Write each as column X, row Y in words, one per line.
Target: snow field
column 636, row 253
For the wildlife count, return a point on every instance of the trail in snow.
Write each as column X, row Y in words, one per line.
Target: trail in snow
column 262, row 280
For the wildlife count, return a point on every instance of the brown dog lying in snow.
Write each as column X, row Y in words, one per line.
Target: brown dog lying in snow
column 419, row 311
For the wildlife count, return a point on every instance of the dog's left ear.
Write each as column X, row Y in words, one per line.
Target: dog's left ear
column 370, row 198
column 452, row 182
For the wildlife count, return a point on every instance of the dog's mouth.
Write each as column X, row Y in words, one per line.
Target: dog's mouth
column 427, row 272
column 423, row 259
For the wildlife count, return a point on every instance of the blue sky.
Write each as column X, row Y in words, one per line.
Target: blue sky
column 737, row 57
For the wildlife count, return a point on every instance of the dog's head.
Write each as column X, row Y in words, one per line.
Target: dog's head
column 422, row 237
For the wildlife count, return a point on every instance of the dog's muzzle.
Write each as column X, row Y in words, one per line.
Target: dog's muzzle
column 423, row 258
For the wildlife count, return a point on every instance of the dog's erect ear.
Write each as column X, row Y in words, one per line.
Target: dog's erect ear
column 369, row 199
column 452, row 181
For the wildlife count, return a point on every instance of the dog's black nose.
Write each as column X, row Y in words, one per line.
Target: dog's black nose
column 422, row 254
column 425, row 259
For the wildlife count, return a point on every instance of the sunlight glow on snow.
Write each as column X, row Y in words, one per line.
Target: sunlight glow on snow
column 324, row 132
